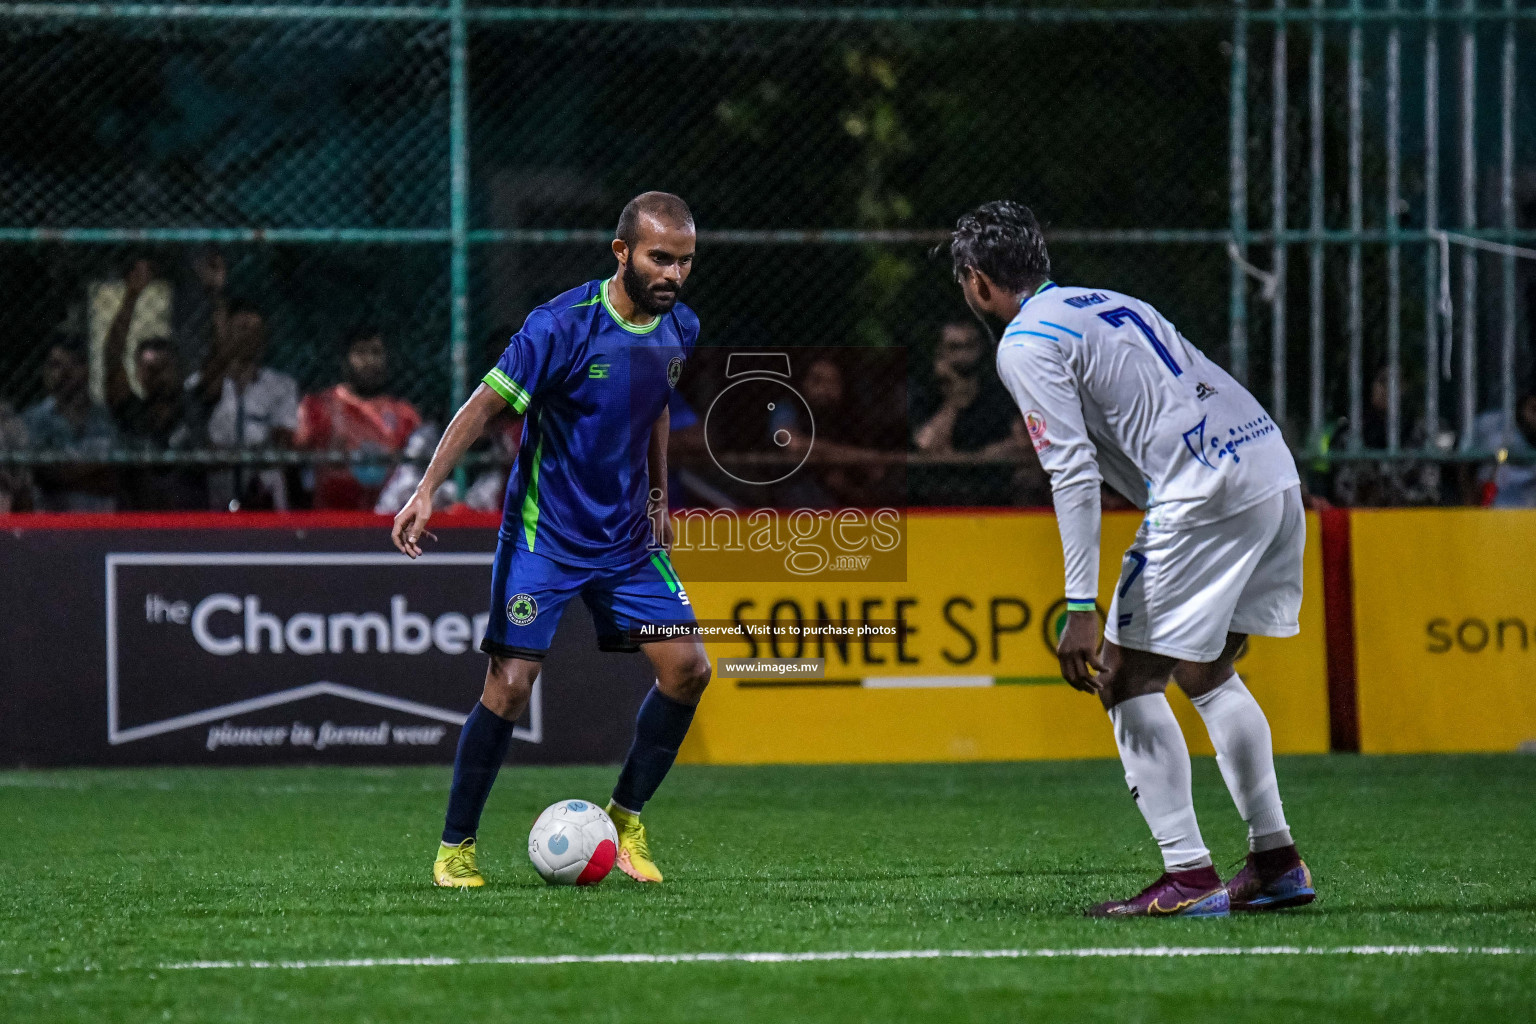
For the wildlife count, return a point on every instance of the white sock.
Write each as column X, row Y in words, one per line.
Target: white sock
column 1156, row 761
column 1240, row 733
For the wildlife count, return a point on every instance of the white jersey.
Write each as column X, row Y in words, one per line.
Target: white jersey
column 1112, row 392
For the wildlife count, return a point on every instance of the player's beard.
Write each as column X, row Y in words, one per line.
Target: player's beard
column 642, row 296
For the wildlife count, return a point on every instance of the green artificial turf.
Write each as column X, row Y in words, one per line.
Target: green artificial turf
column 114, row 874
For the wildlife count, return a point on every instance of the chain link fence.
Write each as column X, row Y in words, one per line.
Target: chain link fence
column 437, row 169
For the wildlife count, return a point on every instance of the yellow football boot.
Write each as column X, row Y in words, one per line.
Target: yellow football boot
column 634, row 852
column 455, row 867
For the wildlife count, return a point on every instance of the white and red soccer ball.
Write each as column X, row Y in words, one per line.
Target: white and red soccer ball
column 573, row 843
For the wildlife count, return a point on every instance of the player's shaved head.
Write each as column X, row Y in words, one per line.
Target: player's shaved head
column 663, row 207
column 654, row 248
column 1003, row 240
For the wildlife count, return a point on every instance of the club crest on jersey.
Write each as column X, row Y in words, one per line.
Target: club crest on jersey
column 522, row 609
column 1034, row 422
column 674, row 371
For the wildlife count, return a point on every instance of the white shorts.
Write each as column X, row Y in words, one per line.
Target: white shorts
column 1182, row 591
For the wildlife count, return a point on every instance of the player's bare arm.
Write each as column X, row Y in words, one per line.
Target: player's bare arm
column 463, row 431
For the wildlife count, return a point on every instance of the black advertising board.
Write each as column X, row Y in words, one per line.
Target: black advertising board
column 298, row 639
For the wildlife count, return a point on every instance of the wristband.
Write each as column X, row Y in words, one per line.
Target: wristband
column 1081, row 606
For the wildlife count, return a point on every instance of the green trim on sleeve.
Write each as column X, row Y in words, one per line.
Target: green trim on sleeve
column 508, row 389
column 1082, row 606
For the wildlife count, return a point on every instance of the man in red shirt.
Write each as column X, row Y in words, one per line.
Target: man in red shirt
column 356, row 416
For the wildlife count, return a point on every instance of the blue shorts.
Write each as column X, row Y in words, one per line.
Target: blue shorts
column 529, row 593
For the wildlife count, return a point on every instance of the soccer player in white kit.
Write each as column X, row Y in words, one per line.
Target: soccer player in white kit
column 1112, row 392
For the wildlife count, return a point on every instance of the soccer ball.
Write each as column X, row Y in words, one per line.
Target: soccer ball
column 573, row 843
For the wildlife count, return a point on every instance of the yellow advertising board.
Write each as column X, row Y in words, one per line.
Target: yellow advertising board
column 1445, row 628
column 976, row 678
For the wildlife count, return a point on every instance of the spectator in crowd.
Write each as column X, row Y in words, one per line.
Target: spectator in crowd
column 159, row 418
column 15, row 481
column 200, row 305
column 501, row 439
column 1385, row 482
column 964, row 408
column 356, row 416
column 67, row 420
column 1511, row 481
column 245, row 405
column 841, row 469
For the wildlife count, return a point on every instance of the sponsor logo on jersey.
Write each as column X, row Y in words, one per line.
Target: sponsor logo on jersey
column 598, row 371
column 1084, row 301
column 1034, row 422
column 1204, row 391
column 1194, row 440
column 674, row 371
column 522, row 609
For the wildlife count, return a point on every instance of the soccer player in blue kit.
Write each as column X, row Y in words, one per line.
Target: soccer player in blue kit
column 589, row 374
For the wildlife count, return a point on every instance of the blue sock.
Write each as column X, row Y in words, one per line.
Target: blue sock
column 483, row 746
column 659, row 731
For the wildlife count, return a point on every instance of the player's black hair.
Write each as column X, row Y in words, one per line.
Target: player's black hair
column 664, row 206
column 1003, row 240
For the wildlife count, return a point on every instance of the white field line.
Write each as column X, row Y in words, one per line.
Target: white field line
column 1090, row 952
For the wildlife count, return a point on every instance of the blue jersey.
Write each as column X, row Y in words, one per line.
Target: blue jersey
column 591, row 386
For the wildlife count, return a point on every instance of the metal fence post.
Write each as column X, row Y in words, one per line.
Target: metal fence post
column 1238, row 167
column 1278, row 266
column 1315, row 224
column 1356, row 313
column 1507, row 215
column 1431, row 223
column 1394, row 251
column 458, row 156
column 1468, row 311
